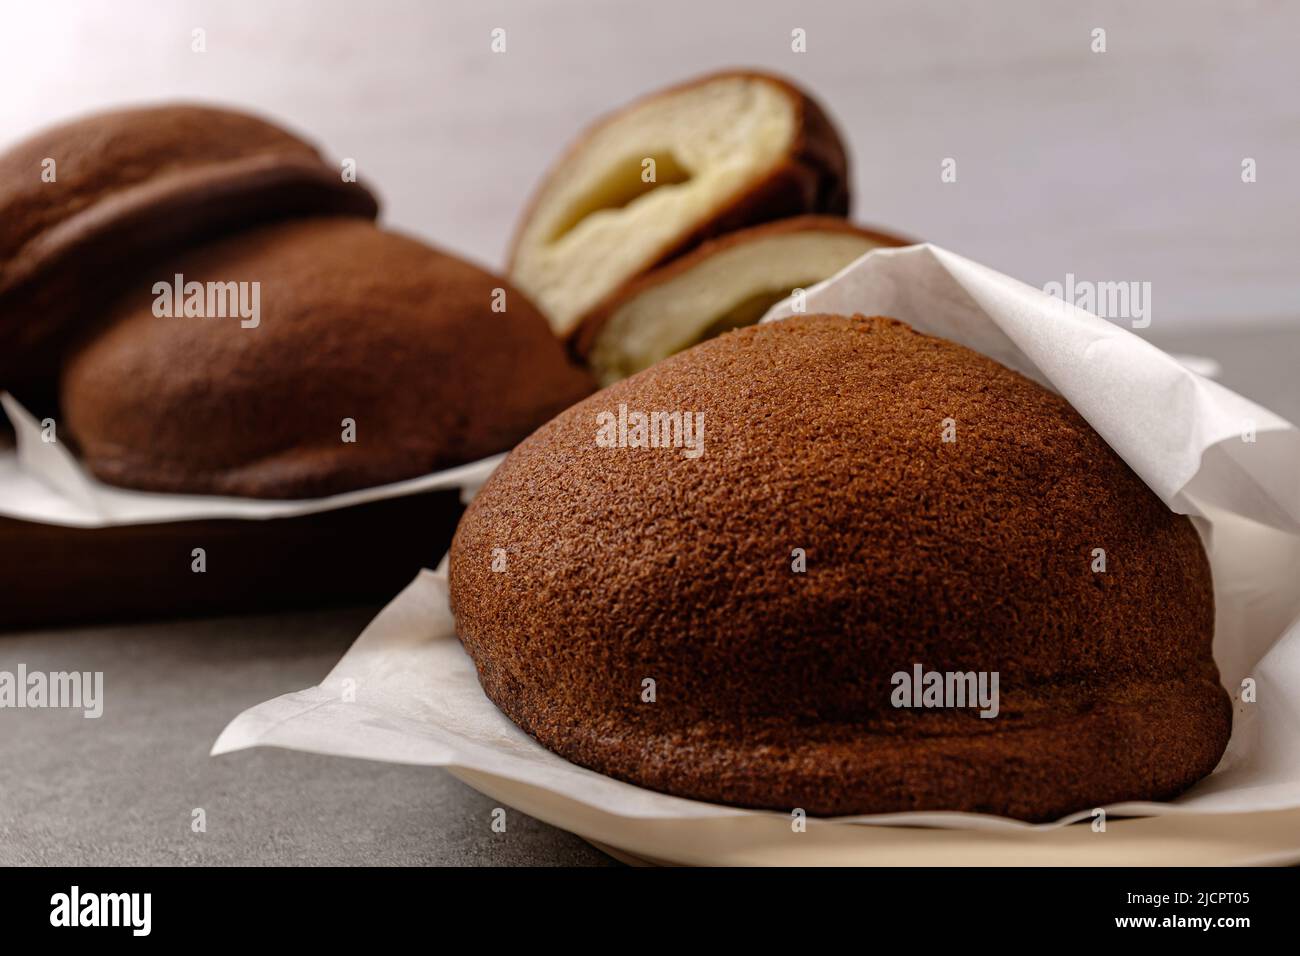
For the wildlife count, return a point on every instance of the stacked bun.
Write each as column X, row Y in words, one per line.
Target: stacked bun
column 359, row 328
column 82, row 202
column 371, row 358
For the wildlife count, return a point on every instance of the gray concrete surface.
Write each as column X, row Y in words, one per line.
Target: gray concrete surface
column 122, row 789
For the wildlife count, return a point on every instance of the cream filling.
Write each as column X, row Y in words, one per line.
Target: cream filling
column 727, row 290
column 598, row 224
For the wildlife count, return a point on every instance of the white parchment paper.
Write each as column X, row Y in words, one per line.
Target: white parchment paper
column 42, row 481
column 407, row 692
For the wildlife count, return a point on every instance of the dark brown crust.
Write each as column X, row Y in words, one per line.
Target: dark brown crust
column 589, row 330
column 773, row 687
column 355, row 323
column 134, row 184
column 813, row 179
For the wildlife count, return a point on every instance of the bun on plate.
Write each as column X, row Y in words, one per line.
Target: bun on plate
column 751, row 615
column 326, row 322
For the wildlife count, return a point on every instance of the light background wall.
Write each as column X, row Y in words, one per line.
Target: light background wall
column 1115, row 166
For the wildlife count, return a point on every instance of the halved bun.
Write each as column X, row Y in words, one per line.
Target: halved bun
column 725, row 284
column 729, row 150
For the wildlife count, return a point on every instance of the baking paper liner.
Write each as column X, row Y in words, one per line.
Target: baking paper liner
column 42, row 481
column 406, row 691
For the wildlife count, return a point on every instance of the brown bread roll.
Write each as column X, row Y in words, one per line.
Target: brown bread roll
column 83, row 202
column 774, row 684
column 353, row 323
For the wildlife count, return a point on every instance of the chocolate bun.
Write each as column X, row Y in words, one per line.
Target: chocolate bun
column 127, row 185
column 730, row 150
column 353, row 323
column 774, row 686
column 727, row 283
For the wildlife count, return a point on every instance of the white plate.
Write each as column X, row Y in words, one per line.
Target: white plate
column 1239, row 839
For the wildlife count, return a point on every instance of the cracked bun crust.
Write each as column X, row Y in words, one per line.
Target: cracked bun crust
column 355, row 323
column 774, row 687
column 129, row 184
column 729, row 150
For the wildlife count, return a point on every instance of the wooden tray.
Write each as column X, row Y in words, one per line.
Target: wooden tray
column 51, row 574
